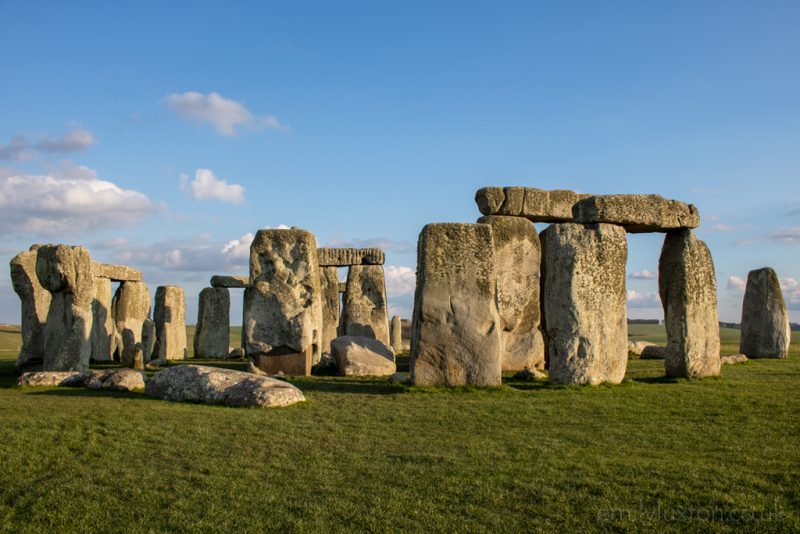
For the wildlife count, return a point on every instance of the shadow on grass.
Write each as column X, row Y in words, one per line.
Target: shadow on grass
column 341, row 384
column 85, row 392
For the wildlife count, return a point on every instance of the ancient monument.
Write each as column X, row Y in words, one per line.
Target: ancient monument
column 212, row 333
column 169, row 316
column 765, row 319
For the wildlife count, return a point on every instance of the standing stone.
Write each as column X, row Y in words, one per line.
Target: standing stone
column 212, row 334
column 148, row 339
column 102, row 321
column 517, row 255
column 397, row 334
column 688, row 289
column 765, row 319
column 66, row 272
column 329, row 285
column 364, row 307
column 130, row 308
column 583, row 293
column 282, row 328
column 169, row 315
column 455, row 339
column 35, row 303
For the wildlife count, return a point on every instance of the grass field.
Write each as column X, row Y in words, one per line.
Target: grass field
column 363, row 455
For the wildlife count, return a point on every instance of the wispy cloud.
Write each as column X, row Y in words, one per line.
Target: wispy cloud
column 736, row 284
column 21, row 149
column 206, row 186
column 643, row 300
column 791, row 292
column 642, row 275
column 227, row 116
column 784, row 236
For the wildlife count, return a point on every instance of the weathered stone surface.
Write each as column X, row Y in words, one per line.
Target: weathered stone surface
column 733, row 359
column 688, row 289
column 362, row 356
column 342, row 287
column 283, row 307
column 765, row 319
column 537, row 205
column 232, row 282
column 130, row 308
column 329, row 286
column 455, row 339
column 212, row 333
column 364, row 308
column 148, row 341
column 169, row 315
column 637, row 347
column 117, row 273
column 400, row 378
column 396, row 334
column 102, row 321
column 127, row 355
column 212, row 385
column 116, row 380
column 66, row 272
column 637, row 213
column 517, row 256
column 343, row 257
column 584, row 302
column 35, row 304
column 54, row 378
column 654, row 352
column 236, row 353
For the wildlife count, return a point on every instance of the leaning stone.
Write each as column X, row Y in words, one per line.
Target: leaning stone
column 66, row 272
column 213, row 385
column 765, row 319
column 169, row 315
column 53, row 378
column 364, row 308
column 35, row 304
column 232, row 282
column 131, row 309
column 517, row 256
column 455, row 340
column 653, row 352
column 343, row 257
column 117, row 273
column 637, row 347
column 329, row 286
column 116, row 380
column 362, row 356
column 537, row 205
column 688, row 289
column 396, row 334
column 584, row 302
column 637, row 213
column 212, row 333
column 102, row 321
column 734, row 359
column 283, row 306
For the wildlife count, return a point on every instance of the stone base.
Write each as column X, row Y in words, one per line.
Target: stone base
column 297, row 364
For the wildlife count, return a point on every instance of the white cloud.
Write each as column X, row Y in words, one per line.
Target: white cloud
column 791, row 292
column 20, row 149
column 224, row 114
column 642, row 275
column 400, row 280
column 206, row 186
column 736, row 284
column 643, row 300
column 67, row 201
column 238, row 249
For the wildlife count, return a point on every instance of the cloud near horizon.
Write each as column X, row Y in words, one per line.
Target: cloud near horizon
column 643, row 300
column 21, row 149
column 206, row 186
column 225, row 115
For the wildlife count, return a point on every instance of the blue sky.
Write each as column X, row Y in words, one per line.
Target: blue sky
column 162, row 134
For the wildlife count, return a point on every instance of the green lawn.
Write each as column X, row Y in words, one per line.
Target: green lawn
column 652, row 453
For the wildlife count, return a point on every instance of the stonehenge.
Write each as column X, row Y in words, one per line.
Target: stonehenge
column 396, row 334
column 212, row 332
column 765, row 319
column 365, row 312
column 329, row 285
column 345, row 257
column 130, row 308
column 169, row 315
column 35, row 304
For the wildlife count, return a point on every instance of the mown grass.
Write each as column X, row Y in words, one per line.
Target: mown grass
column 361, row 454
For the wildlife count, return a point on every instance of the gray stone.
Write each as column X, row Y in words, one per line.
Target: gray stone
column 364, row 308
column 232, row 282
column 116, row 380
column 537, row 205
column 54, row 378
column 653, row 352
column 102, row 321
column 169, row 315
column 329, row 286
column 733, row 359
column 66, row 272
column 212, row 334
column 396, row 334
column 129, row 346
column 213, row 385
column 400, row 378
column 362, row 356
column 344, row 257
column 236, row 353
column 637, row 213
column 765, row 319
column 637, row 347
column 455, row 339
column 584, row 302
column 148, row 341
column 283, row 306
column 117, row 273
column 35, row 303
column 130, row 308
column 688, row 289
column 517, row 256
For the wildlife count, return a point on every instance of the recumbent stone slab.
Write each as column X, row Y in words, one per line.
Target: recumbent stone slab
column 362, row 356
column 637, row 213
column 765, row 319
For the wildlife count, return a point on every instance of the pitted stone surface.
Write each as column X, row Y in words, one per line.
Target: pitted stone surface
column 283, row 306
column 455, row 339
column 342, row 287
column 130, row 308
column 365, row 312
column 688, row 289
column 212, row 334
column 517, row 255
column 396, row 334
column 116, row 380
column 117, row 273
column 34, row 303
column 169, row 314
column 537, row 205
column 637, row 213
column 232, row 282
column 329, row 285
column 362, row 356
column 765, row 319
column 343, row 257
column 584, row 302
column 102, row 321
column 54, row 378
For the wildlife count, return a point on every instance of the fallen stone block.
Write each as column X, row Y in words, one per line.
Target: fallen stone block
column 53, row 378
column 116, row 380
column 362, row 356
column 733, row 359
